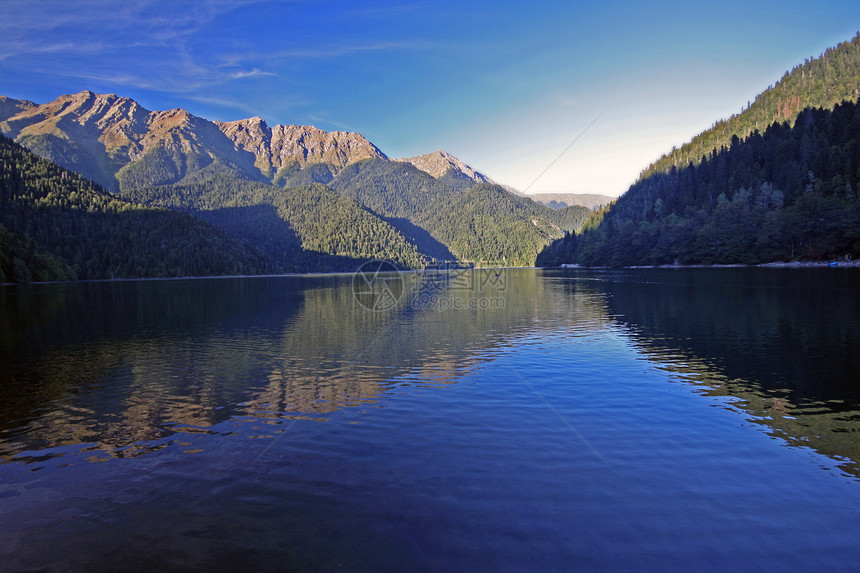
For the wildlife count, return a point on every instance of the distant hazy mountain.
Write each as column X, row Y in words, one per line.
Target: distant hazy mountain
column 559, row 200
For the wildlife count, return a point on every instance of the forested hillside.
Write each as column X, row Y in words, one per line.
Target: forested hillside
column 777, row 182
column 374, row 209
column 56, row 225
column 286, row 198
column 789, row 193
column 822, row 82
column 488, row 225
column 309, row 228
column 482, row 224
column 394, row 189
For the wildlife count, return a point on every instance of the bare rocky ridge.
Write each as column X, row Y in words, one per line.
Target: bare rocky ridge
column 111, row 135
column 440, row 162
column 10, row 107
column 118, row 131
column 115, row 122
column 278, row 147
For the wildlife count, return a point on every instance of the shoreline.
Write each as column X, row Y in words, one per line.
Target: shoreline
column 774, row 265
column 268, row 275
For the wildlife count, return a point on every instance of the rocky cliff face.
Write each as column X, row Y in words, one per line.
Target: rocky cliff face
column 278, row 147
column 440, row 162
column 114, row 132
column 115, row 122
column 10, row 107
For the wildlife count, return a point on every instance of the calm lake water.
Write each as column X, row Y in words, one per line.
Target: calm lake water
column 517, row 420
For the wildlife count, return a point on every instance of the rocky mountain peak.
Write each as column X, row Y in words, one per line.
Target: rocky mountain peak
column 282, row 145
column 10, row 107
column 440, row 162
column 110, row 119
column 107, row 132
column 249, row 134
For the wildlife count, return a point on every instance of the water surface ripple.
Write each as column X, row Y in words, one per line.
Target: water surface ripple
column 586, row 420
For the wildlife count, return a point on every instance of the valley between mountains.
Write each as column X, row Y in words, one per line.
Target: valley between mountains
column 96, row 186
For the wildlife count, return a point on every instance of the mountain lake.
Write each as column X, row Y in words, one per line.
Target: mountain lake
column 469, row 420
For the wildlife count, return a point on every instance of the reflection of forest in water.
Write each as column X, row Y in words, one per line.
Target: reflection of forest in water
column 121, row 365
column 784, row 342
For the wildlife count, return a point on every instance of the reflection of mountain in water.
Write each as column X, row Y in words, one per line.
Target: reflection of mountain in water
column 121, row 363
column 785, row 342
column 120, row 366
column 124, row 367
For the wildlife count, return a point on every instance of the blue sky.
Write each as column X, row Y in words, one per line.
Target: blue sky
column 545, row 96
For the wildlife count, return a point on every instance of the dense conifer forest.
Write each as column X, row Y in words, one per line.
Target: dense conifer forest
column 308, row 228
column 251, row 199
column 56, row 225
column 778, row 182
column 374, row 209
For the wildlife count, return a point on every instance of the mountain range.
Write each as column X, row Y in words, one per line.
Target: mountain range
column 301, row 198
column 561, row 200
column 119, row 144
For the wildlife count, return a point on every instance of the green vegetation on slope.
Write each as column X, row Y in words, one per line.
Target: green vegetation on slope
column 774, row 183
column 92, row 164
column 58, row 225
column 487, row 225
column 823, row 82
column 300, row 229
column 790, row 193
column 483, row 224
column 394, row 189
column 294, row 175
column 569, row 219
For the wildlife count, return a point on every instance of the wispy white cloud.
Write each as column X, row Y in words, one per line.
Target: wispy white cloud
column 320, row 120
column 118, row 25
column 312, row 52
column 151, row 44
column 346, row 49
column 228, row 103
column 111, row 78
column 11, row 49
column 254, row 73
column 45, row 15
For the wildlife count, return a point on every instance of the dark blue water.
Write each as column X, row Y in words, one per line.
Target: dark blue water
column 513, row 421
